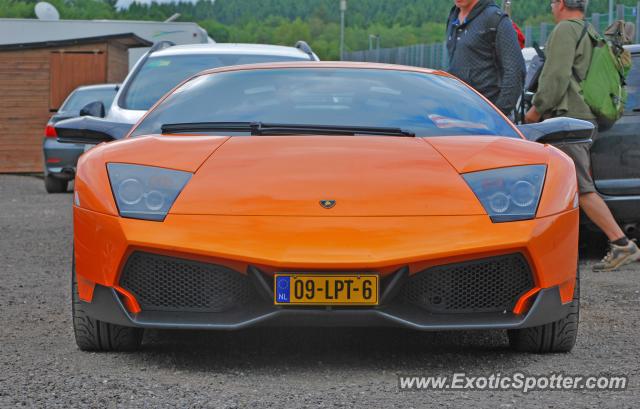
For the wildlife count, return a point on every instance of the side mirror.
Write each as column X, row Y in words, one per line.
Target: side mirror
column 95, row 108
column 559, row 130
column 90, row 130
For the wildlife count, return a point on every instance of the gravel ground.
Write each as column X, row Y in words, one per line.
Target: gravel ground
column 40, row 365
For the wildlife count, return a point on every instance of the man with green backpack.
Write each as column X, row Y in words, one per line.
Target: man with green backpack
column 583, row 78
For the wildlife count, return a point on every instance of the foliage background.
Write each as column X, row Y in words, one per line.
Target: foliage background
column 397, row 22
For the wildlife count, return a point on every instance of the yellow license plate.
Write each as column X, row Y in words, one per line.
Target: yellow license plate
column 315, row 289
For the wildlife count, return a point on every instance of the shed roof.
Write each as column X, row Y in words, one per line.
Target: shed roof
column 129, row 40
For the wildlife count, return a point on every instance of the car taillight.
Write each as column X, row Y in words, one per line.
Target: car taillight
column 50, row 132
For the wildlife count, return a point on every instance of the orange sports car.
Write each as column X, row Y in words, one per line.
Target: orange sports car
column 329, row 194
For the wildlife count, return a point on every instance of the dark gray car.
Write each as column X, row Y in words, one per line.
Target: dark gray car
column 615, row 156
column 60, row 159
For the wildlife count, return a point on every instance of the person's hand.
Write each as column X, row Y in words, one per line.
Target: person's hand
column 532, row 116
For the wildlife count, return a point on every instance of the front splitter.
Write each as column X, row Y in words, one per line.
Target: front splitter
column 107, row 306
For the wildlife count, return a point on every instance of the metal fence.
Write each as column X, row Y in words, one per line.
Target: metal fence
column 435, row 55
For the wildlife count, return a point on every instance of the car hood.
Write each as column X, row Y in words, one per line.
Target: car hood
column 359, row 176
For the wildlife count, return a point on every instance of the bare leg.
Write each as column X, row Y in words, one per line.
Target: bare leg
column 596, row 209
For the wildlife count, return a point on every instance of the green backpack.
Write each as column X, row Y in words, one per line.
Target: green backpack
column 603, row 88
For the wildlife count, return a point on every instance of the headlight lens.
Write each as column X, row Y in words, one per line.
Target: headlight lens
column 145, row 192
column 509, row 194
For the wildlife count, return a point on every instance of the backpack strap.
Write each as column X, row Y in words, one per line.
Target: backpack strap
column 494, row 21
column 582, row 35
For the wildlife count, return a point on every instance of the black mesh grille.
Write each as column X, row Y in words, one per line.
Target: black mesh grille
column 487, row 285
column 162, row 283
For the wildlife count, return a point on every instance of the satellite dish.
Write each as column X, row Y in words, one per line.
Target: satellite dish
column 46, row 11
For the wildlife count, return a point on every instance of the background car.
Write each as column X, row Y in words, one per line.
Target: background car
column 615, row 157
column 326, row 194
column 166, row 65
column 60, row 159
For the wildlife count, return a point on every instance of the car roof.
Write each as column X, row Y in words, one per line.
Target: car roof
column 633, row 48
column 326, row 64
column 231, row 48
column 97, row 87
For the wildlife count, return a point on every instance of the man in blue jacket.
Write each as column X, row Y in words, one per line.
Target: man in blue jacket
column 484, row 51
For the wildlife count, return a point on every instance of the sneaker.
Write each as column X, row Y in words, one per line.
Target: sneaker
column 618, row 256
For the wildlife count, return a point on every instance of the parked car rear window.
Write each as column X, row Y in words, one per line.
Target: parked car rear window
column 633, row 86
column 81, row 97
column 427, row 104
column 160, row 74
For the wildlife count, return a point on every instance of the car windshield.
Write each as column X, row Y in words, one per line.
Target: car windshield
column 419, row 103
column 79, row 98
column 159, row 75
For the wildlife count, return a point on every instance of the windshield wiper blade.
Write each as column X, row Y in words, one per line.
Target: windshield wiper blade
column 277, row 129
column 260, row 128
column 206, row 127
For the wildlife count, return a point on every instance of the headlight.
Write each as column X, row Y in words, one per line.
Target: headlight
column 508, row 194
column 145, row 192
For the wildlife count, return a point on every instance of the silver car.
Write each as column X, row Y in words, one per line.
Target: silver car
column 60, row 159
column 161, row 69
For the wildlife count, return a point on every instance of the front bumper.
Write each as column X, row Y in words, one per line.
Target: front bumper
column 384, row 245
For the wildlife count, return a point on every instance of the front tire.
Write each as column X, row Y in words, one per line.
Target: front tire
column 558, row 336
column 55, row 185
column 95, row 335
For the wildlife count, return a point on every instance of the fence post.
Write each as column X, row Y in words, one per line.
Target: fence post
column 637, row 22
column 595, row 20
column 528, row 35
column 445, row 56
column 543, row 33
column 432, row 56
column 620, row 12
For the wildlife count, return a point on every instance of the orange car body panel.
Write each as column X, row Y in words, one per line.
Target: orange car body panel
column 174, row 152
column 289, row 175
column 255, row 200
column 558, row 194
column 279, row 243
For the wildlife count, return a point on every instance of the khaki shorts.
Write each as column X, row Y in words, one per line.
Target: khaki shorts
column 579, row 152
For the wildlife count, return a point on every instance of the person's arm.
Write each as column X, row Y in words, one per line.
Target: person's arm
column 512, row 67
column 532, row 116
column 557, row 71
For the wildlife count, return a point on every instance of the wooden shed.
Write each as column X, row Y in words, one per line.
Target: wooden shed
column 35, row 78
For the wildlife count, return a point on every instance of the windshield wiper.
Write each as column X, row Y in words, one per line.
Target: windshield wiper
column 260, row 128
column 206, row 127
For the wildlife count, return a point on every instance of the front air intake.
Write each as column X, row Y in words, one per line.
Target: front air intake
column 486, row 285
column 162, row 283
